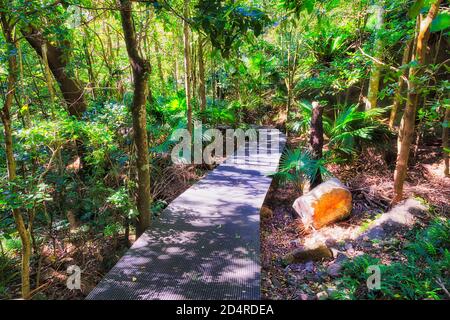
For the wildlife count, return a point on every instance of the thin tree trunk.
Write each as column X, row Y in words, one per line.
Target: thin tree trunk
column 175, row 63
column 445, row 135
column 141, row 71
column 175, row 74
column 48, row 78
column 187, row 66
column 159, row 66
column 26, row 110
column 10, row 160
column 374, row 81
column 292, row 67
column 288, row 83
column 201, row 75
column 401, row 84
column 316, row 139
column 72, row 92
column 88, row 57
column 406, row 131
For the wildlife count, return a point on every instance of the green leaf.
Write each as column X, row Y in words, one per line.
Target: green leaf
column 441, row 22
column 415, row 9
column 309, row 5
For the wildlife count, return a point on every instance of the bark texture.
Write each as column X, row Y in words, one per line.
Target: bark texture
column 316, row 138
column 407, row 124
column 71, row 90
column 141, row 71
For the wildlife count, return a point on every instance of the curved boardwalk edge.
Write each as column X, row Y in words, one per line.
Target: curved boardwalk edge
column 206, row 244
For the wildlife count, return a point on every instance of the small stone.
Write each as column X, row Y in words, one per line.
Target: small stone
column 303, row 296
column 266, row 212
column 334, row 270
column 276, row 283
column 307, row 254
column 323, row 295
column 309, row 266
column 331, row 291
column 335, row 252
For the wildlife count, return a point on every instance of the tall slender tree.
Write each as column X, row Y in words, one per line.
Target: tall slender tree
column 187, row 65
column 5, row 114
column 398, row 98
column 201, row 75
column 141, row 72
column 407, row 124
column 374, row 82
column 316, row 139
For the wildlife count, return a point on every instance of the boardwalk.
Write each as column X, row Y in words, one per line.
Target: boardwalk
column 206, row 243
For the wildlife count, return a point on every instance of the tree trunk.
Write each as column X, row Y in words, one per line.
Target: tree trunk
column 175, row 62
column 160, row 70
column 316, row 139
column 406, row 131
column 201, row 76
column 374, row 81
column 23, row 92
column 401, row 84
column 48, row 78
column 5, row 114
column 445, row 141
column 141, row 71
column 90, row 67
column 187, row 66
column 72, row 92
column 193, row 71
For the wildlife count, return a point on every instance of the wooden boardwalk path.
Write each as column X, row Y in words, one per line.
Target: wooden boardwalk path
column 206, row 243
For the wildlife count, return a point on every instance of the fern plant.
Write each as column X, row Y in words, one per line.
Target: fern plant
column 352, row 128
column 422, row 275
column 297, row 166
column 349, row 130
column 302, row 119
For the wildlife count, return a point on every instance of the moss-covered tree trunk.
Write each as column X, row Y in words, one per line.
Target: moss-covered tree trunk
column 316, row 139
column 201, row 75
column 141, row 71
column 159, row 66
column 445, row 145
column 398, row 98
column 71, row 90
column 187, row 66
column 5, row 114
column 374, row 82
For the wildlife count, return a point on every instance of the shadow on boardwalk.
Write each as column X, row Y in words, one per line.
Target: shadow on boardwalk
column 205, row 244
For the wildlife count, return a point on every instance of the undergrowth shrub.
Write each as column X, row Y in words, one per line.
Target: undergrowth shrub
column 423, row 275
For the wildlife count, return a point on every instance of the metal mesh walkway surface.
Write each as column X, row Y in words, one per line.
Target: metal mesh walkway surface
column 205, row 245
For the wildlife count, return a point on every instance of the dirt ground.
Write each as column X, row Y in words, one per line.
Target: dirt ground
column 370, row 181
column 88, row 248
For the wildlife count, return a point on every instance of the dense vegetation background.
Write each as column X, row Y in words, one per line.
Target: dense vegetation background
column 90, row 92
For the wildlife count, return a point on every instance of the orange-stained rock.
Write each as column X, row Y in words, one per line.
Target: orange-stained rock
column 328, row 202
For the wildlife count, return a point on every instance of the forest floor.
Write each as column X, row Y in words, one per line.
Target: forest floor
column 88, row 248
column 369, row 178
column 370, row 181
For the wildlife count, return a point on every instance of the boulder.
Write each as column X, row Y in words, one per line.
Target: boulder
column 307, row 254
column 335, row 268
column 266, row 212
column 330, row 201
